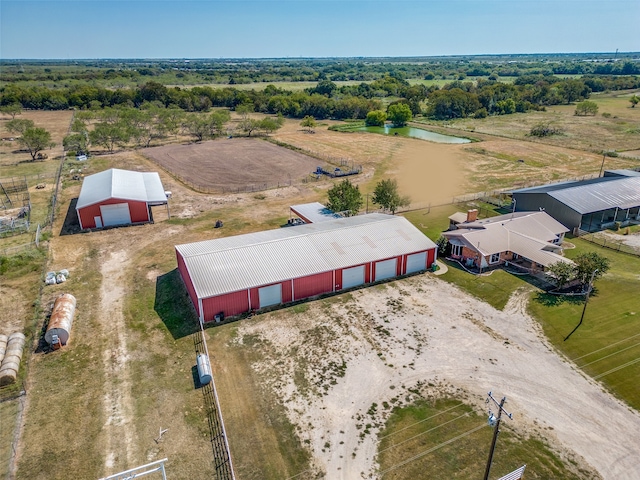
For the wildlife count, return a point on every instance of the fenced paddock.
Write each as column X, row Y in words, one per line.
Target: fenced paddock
column 233, row 164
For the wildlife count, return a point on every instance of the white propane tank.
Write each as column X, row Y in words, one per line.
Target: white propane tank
column 204, row 368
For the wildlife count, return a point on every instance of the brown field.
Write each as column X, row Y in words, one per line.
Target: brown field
column 617, row 131
column 226, row 164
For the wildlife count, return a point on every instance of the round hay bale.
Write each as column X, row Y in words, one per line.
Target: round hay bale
column 8, row 376
column 10, row 364
column 9, row 359
column 13, row 350
column 17, row 335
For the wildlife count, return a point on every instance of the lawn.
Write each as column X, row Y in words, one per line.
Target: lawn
column 422, row 430
column 607, row 345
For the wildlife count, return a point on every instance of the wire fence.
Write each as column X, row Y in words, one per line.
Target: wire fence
column 217, row 433
column 611, row 243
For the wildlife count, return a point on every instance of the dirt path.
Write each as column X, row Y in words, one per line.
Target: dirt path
column 118, row 402
column 422, row 330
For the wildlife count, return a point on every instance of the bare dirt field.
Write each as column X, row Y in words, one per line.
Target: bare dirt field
column 330, row 364
column 226, row 164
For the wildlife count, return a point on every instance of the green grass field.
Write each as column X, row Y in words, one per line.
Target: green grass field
column 414, row 442
column 607, row 345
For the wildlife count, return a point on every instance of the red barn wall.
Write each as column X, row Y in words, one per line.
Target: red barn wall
column 138, row 210
column 313, row 285
column 186, row 278
column 230, row 304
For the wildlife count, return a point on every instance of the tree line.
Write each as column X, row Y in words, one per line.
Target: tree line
column 457, row 99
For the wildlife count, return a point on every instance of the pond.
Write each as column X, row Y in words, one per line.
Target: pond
column 414, row 133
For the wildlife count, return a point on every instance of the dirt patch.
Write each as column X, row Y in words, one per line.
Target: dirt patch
column 118, row 402
column 330, row 365
column 227, row 164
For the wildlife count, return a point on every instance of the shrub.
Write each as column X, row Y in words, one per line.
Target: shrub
column 481, row 113
column 586, row 108
column 544, row 129
column 606, row 114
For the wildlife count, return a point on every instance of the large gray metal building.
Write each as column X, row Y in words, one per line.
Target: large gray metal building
column 588, row 205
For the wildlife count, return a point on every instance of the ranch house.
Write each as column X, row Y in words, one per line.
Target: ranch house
column 527, row 240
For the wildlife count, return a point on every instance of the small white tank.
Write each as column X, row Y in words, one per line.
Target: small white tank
column 61, row 319
column 204, row 368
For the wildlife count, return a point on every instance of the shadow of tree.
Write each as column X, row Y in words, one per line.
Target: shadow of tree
column 549, row 300
column 173, row 305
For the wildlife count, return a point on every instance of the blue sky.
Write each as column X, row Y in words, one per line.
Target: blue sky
column 311, row 28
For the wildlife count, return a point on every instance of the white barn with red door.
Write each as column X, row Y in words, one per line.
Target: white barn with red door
column 119, row 197
column 230, row 276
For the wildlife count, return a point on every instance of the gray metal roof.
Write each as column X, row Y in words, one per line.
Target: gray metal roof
column 244, row 261
column 315, row 212
column 621, row 192
column 122, row 184
column 588, row 196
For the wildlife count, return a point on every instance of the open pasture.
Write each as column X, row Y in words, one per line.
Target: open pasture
column 617, row 130
column 231, row 164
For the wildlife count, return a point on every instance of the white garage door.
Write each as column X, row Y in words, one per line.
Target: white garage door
column 117, row 214
column 386, row 269
column 271, row 295
column 416, row 262
column 352, row 277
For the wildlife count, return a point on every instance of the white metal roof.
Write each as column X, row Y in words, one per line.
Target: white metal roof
column 122, row 184
column 244, row 261
column 315, row 212
column 526, row 233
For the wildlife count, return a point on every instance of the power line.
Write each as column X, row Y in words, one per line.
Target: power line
column 422, row 433
column 297, row 475
column 423, row 420
column 432, row 449
column 604, row 348
column 619, row 367
column 610, row 355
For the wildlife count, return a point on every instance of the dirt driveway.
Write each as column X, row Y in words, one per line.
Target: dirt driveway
column 351, row 353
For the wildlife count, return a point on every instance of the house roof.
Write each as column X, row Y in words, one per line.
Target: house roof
column 593, row 195
column 314, row 212
column 121, row 184
column 526, row 233
column 244, row 261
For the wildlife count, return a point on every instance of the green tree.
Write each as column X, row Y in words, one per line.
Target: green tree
column 12, row 109
column 19, row 125
column 591, row 264
column 344, row 197
column 561, row 273
column 586, row 108
column 376, row 118
column 399, row 114
column 386, row 195
column 634, row 101
column 270, row 125
column 76, row 142
column 109, row 135
column 309, row 123
column 35, row 139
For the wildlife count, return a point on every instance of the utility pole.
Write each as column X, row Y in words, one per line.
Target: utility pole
column 604, row 155
column 495, row 421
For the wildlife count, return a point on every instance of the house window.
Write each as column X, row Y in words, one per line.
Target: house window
column 495, row 258
column 456, row 250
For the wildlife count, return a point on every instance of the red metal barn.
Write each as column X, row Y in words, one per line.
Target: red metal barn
column 233, row 275
column 118, row 197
